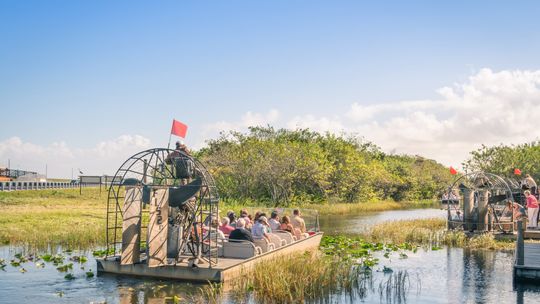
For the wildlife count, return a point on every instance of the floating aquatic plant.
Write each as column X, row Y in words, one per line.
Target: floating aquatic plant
column 102, row 253
column 65, row 268
column 56, row 259
column 79, row 259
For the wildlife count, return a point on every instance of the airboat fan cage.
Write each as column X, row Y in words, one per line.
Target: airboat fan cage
column 162, row 204
column 478, row 201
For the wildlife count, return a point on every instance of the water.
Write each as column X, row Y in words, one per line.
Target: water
column 354, row 223
column 450, row 275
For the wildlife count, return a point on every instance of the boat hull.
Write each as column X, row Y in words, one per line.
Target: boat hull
column 225, row 270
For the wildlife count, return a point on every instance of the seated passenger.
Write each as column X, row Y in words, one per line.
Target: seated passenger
column 232, row 218
column 257, row 215
column 286, row 224
column 245, row 215
column 518, row 211
column 225, row 227
column 241, row 233
column 214, row 231
column 274, row 221
column 298, row 222
column 258, row 231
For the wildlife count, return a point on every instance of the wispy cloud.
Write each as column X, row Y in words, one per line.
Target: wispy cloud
column 103, row 158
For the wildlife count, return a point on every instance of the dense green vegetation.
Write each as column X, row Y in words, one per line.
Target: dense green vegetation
column 284, row 167
column 503, row 159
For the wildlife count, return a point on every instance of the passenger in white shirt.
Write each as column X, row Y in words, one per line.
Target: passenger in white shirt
column 274, row 221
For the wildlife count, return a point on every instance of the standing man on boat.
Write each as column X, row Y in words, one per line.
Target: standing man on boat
column 298, row 222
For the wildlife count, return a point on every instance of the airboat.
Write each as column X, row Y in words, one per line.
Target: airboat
column 479, row 202
column 160, row 213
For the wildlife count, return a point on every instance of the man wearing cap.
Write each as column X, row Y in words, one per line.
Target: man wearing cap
column 180, row 148
column 258, row 231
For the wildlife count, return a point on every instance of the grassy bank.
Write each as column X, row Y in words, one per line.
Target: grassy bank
column 432, row 232
column 60, row 217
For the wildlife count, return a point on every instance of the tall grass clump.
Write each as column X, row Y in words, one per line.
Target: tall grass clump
column 432, row 232
column 298, row 278
column 421, row 231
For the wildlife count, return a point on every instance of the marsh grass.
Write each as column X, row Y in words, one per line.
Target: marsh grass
column 395, row 288
column 308, row 277
column 298, row 278
column 432, row 233
column 42, row 218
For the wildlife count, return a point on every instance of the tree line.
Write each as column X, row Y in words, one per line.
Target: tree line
column 280, row 167
column 504, row 159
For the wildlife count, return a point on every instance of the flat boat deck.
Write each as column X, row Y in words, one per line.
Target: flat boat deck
column 225, row 269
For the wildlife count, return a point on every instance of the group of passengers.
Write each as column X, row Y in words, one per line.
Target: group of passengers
column 258, row 227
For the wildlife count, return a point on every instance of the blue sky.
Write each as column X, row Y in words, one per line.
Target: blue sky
column 81, row 73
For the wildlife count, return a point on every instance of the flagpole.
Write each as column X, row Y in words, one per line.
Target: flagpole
column 169, row 144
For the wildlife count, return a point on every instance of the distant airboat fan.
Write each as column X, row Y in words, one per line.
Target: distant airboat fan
column 478, row 202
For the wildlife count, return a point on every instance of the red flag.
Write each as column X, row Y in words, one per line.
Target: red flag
column 517, row 171
column 453, row 171
column 178, row 128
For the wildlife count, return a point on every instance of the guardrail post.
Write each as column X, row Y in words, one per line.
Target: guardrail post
column 520, row 244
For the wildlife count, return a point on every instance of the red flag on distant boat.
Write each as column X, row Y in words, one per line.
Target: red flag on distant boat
column 453, row 171
column 178, row 128
column 517, row 171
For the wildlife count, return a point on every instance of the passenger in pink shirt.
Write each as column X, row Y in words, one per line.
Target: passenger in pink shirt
column 225, row 227
column 532, row 210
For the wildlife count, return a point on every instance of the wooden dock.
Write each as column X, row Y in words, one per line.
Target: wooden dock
column 527, row 258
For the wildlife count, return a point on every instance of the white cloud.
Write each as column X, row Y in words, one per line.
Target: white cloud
column 489, row 108
column 319, row 124
column 248, row 119
column 104, row 158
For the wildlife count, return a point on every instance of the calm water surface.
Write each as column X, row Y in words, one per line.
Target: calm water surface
column 443, row 276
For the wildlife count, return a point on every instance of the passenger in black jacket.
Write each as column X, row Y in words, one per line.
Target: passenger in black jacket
column 241, row 233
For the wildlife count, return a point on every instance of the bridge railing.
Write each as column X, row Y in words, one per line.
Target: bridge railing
column 17, row 186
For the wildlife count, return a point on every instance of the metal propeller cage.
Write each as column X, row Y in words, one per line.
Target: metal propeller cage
column 191, row 217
